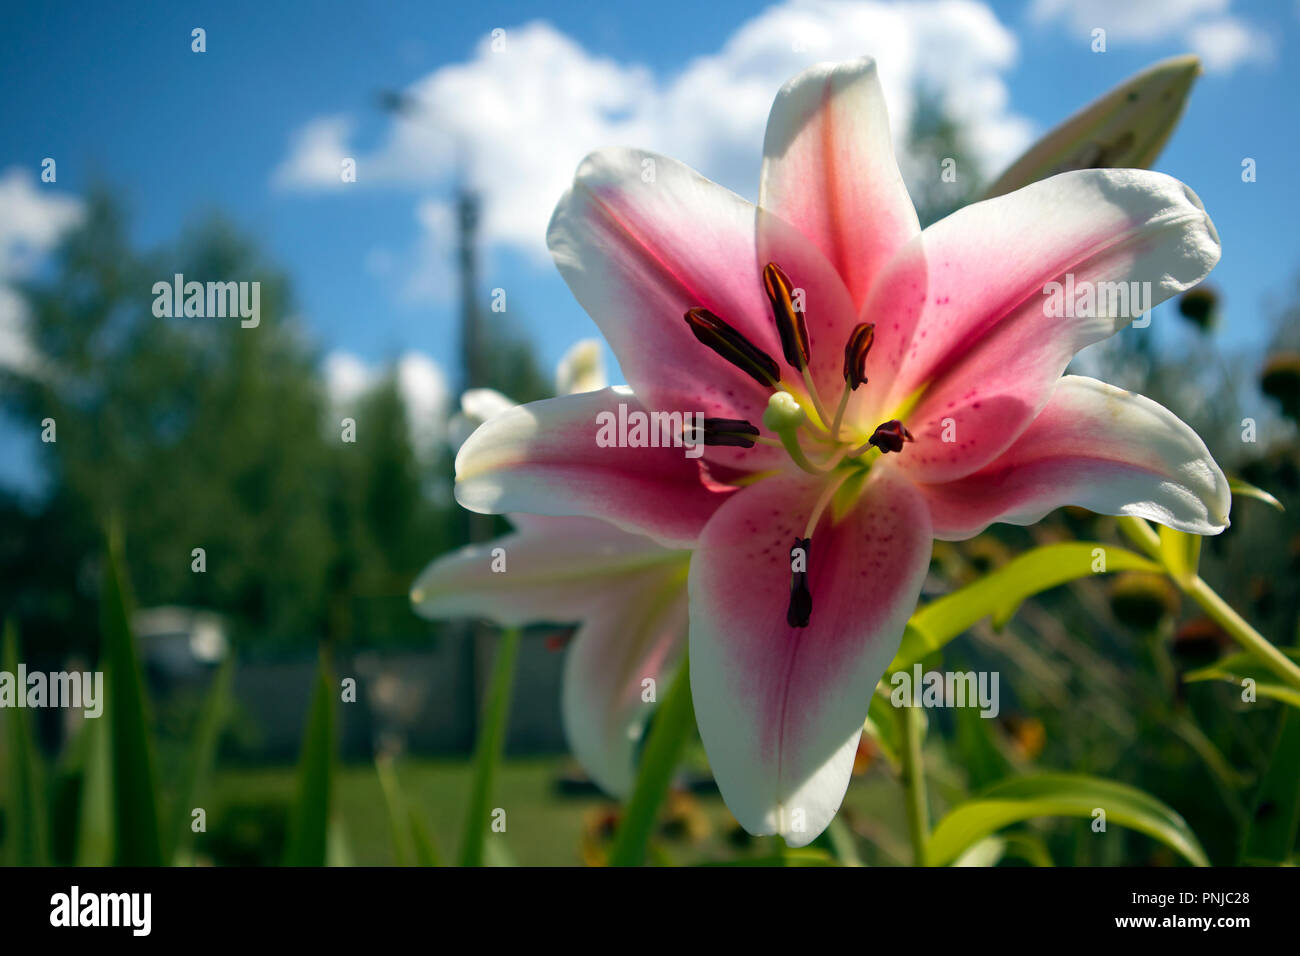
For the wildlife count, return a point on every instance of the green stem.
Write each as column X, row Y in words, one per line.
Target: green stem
column 487, row 752
column 1241, row 631
column 1250, row 639
column 918, row 813
column 672, row 726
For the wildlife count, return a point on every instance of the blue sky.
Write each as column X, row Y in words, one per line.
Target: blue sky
column 120, row 97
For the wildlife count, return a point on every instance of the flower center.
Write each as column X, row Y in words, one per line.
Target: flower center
column 814, row 443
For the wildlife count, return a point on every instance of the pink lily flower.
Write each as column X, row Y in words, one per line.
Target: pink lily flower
column 626, row 592
column 868, row 388
column 628, row 595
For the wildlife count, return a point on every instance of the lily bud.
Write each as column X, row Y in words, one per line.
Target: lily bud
column 1125, row 128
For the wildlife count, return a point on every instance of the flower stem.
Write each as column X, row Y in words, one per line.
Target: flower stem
column 488, row 749
column 1241, row 631
column 1250, row 639
column 918, row 812
column 669, row 731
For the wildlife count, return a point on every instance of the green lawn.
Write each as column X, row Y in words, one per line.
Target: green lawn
column 543, row 826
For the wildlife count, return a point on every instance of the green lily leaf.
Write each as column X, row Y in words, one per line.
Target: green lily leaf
column 1059, row 794
column 1000, row 592
column 1244, row 489
column 1126, row 128
column 310, row 838
column 985, row 852
column 1271, row 832
column 487, row 752
column 1243, row 665
column 138, row 840
column 25, row 802
column 1181, row 553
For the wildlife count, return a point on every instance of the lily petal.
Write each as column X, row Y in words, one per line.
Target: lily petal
column 548, row 569
column 1098, row 447
column 635, row 632
column 780, row 708
column 829, row 170
column 962, row 311
column 544, row 458
column 640, row 239
column 628, row 592
column 477, row 405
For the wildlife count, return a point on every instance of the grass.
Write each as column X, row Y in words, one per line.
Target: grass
column 544, row 827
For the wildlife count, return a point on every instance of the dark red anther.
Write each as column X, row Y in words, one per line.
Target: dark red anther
column 890, row 436
column 790, row 323
column 729, row 431
column 800, row 608
column 855, row 353
column 733, row 346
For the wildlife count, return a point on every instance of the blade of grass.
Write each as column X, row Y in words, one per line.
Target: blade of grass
column 404, row 823
column 671, row 727
column 203, row 754
column 487, row 752
column 95, row 811
column 309, row 820
column 394, row 806
column 137, row 839
column 25, row 804
column 426, row 853
column 1270, row 834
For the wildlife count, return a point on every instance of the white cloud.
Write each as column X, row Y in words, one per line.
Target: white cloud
column 316, row 154
column 429, row 275
column 1128, row 20
column 347, row 378
column 32, row 219
column 518, row 121
column 1222, row 40
column 423, row 387
column 1225, row 43
column 421, row 383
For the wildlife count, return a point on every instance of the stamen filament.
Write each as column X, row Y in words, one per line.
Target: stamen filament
column 839, row 412
column 823, row 418
column 823, row 500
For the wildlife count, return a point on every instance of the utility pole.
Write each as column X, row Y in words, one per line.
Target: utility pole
column 467, row 221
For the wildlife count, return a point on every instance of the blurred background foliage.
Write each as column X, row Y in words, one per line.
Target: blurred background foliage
column 183, row 432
